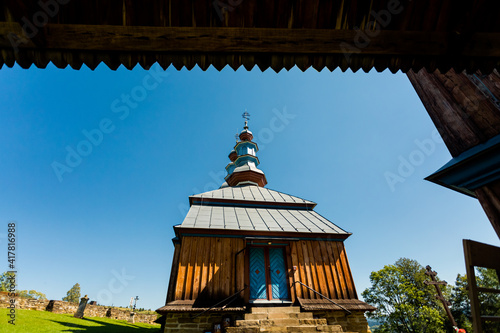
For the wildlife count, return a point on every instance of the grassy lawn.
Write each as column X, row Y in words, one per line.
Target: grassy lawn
column 30, row 321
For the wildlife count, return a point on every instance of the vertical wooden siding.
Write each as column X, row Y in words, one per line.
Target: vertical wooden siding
column 323, row 266
column 173, row 274
column 206, row 268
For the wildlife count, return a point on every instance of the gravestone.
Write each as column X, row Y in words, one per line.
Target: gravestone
column 131, row 319
column 81, row 307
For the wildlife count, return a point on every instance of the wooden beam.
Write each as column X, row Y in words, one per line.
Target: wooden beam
column 258, row 40
column 464, row 114
column 489, row 197
column 23, row 13
column 466, row 111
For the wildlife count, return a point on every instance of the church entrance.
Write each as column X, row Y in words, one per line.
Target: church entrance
column 268, row 274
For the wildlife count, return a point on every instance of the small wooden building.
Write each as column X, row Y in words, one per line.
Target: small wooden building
column 244, row 246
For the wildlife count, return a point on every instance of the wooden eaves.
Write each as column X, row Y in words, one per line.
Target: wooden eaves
column 432, row 34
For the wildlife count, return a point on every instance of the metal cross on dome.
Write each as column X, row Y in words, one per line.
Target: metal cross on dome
column 246, row 115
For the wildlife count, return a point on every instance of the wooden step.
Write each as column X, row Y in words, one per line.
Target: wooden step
column 314, row 328
column 282, row 320
column 276, row 309
column 278, row 315
column 287, row 329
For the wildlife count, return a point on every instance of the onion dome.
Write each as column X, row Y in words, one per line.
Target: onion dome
column 246, row 135
column 233, row 155
column 243, row 169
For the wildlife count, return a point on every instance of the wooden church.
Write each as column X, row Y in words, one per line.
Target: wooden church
column 251, row 259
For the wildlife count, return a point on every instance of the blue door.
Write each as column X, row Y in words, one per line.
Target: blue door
column 267, row 274
column 277, row 270
column 257, row 273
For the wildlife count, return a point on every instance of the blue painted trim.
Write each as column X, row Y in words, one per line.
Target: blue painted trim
column 474, row 168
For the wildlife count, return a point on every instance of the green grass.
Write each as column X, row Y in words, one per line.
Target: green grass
column 30, row 321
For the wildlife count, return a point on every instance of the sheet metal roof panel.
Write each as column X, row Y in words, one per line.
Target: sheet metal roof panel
column 328, row 222
column 265, row 194
column 256, row 193
column 259, row 219
column 252, row 193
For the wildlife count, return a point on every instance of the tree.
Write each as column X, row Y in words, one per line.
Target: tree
column 404, row 303
column 33, row 294
column 73, row 295
column 460, row 305
column 489, row 302
column 5, row 281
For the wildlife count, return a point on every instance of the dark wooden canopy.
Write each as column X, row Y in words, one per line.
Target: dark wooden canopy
column 357, row 34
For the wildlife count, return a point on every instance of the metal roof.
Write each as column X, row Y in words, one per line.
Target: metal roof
column 252, row 193
column 244, row 209
column 258, row 219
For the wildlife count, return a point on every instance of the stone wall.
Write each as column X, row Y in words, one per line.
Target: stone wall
column 183, row 322
column 66, row 307
column 355, row 322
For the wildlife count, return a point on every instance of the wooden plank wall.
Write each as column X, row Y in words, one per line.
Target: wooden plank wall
column 206, row 268
column 323, row 266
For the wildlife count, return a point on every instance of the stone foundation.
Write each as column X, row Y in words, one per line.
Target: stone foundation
column 66, row 307
column 183, row 322
column 355, row 322
column 177, row 322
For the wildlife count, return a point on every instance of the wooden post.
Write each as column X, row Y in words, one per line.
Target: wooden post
column 465, row 109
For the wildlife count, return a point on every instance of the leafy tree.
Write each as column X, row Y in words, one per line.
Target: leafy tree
column 73, row 295
column 404, row 303
column 460, row 305
column 489, row 302
column 33, row 294
column 5, row 281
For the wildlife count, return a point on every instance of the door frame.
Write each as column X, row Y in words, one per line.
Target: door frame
column 267, row 245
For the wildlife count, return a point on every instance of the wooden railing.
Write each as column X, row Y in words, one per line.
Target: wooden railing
column 222, row 302
column 480, row 255
column 311, row 289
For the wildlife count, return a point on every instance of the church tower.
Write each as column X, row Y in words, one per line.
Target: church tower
column 246, row 254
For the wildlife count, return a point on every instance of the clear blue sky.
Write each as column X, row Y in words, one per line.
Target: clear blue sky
column 328, row 137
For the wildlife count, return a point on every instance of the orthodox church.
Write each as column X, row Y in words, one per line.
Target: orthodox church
column 251, row 259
